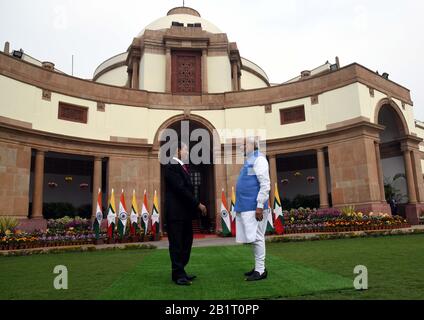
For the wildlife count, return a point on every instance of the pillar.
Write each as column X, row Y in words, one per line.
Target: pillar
column 380, row 171
column 37, row 200
column 417, row 168
column 204, row 71
column 135, row 82
column 273, row 175
column 322, row 179
column 168, row 71
column 412, row 196
column 235, row 76
column 97, row 182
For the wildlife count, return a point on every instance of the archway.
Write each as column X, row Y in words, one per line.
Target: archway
column 390, row 116
column 202, row 175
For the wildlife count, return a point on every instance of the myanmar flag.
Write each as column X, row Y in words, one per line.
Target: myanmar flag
column 270, row 221
column 123, row 216
column 278, row 211
column 99, row 216
column 225, row 216
column 111, row 216
column 134, row 216
column 155, row 216
column 145, row 215
column 233, row 213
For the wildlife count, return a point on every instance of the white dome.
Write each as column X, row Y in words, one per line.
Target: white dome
column 182, row 15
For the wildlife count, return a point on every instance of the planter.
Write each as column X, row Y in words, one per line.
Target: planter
column 98, row 242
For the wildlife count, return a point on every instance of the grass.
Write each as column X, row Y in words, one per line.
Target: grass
column 299, row 270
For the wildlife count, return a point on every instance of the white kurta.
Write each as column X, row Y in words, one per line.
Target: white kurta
column 249, row 230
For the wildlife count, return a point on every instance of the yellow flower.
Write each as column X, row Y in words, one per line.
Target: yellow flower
column 8, row 232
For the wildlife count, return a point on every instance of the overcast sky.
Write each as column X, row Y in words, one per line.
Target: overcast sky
column 284, row 37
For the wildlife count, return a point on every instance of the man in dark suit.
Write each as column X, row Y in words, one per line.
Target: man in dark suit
column 181, row 208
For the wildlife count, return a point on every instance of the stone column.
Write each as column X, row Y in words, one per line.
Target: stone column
column 322, row 179
column 97, row 182
column 417, row 168
column 204, row 71
column 273, row 175
column 37, row 198
column 168, row 71
column 135, row 81
column 380, row 171
column 235, row 76
column 410, row 177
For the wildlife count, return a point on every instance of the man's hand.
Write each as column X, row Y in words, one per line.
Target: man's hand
column 259, row 214
column 203, row 209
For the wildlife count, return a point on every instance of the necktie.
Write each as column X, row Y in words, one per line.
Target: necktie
column 186, row 168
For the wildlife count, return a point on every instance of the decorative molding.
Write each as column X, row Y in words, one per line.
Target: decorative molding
column 128, row 140
column 371, row 91
column 17, row 123
column 101, row 107
column 46, row 95
column 314, row 100
column 64, row 84
column 345, row 123
column 268, row 108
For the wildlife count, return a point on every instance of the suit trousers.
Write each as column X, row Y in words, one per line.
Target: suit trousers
column 180, row 236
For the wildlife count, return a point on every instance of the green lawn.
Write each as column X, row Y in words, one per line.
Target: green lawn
column 297, row 270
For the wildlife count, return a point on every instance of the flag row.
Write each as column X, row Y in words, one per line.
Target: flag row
column 275, row 220
column 119, row 221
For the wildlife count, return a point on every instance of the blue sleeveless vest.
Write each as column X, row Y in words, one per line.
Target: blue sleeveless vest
column 248, row 186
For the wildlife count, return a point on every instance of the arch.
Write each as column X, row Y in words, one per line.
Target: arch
column 181, row 117
column 400, row 118
column 208, row 173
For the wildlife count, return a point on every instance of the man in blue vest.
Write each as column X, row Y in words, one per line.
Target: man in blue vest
column 252, row 195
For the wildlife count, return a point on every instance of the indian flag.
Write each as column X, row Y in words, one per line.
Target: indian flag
column 99, row 216
column 278, row 212
column 111, row 216
column 134, row 216
column 233, row 213
column 145, row 215
column 123, row 216
column 155, row 216
column 270, row 220
column 225, row 216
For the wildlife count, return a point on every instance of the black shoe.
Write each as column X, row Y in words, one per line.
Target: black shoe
column 248, row 274
column 183, row 282
column 256, row 276
column 191, row 278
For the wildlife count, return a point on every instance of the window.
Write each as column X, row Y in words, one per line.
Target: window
column 292, row 115
column 70, row 112
column 186, row 72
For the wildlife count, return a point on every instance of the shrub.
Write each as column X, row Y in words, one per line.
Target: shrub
column 8, row 224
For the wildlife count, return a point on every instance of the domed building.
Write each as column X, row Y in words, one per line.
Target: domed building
column 334, row 135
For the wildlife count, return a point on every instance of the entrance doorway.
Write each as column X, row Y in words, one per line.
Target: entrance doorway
column 202, row 177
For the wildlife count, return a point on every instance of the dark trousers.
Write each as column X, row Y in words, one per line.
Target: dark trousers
column 180, row 236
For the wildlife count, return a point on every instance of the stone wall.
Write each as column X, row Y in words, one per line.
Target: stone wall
column 15, row 166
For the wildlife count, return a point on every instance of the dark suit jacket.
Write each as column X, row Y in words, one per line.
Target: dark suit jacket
column 180, row 202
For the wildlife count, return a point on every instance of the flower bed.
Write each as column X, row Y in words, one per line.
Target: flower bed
column 334, row 220
column 60, row 233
